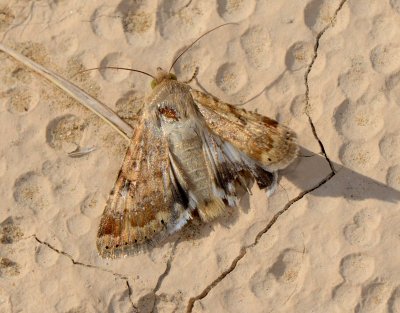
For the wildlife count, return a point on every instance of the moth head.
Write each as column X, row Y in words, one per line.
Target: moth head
column 161, row 76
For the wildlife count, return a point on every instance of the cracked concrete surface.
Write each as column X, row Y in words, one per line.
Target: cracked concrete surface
column 306, row 80
column 117, row 275
column 77, row 262
column 328, row 69
column 274, row 219
column 243, row 250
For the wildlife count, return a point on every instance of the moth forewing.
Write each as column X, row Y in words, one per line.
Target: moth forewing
column 142, row 206
column 262, row 139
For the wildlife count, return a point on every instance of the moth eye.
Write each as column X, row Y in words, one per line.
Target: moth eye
column 107, row 247
column 172, row 76
column 153, row 83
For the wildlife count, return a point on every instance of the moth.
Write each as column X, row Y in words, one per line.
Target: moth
column 189, row 152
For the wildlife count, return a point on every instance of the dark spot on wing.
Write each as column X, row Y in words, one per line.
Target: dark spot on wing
column 269, row 122
column 168, row 113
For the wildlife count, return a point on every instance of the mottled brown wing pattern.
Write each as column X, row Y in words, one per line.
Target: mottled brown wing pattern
column 188, row 155
column 146, row 204
column 264, row 140
column 234, row 172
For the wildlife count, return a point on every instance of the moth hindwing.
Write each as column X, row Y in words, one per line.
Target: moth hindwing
column 189, row 152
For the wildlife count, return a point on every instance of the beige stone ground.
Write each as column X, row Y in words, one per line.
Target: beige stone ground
column 327, row 241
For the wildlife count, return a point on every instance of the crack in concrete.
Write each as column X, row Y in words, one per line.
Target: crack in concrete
column 306, row 81
column 274, row 219
column 74, row 262
column 78, row 262
column 134, row 308
column 167, row 268
column 163, row 275
column 244, row 249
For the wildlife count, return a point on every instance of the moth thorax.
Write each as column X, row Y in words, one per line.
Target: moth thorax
column 162, row 75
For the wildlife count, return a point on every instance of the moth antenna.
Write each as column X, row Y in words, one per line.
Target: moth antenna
column 191, row 45
column 195, row 73
column 115, row 68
